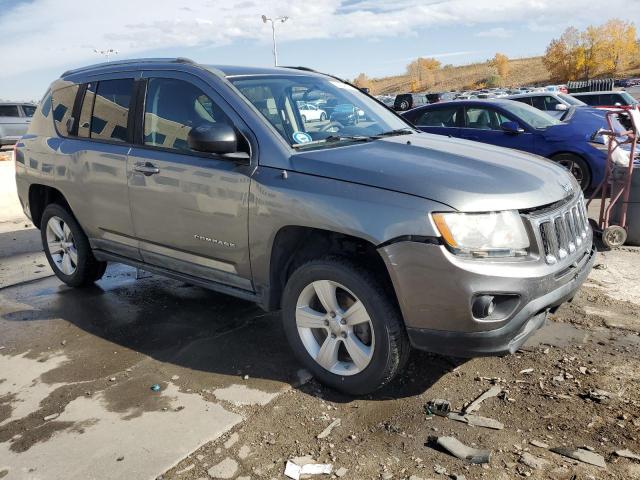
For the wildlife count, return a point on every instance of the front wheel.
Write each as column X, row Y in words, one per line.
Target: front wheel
column 323, row 117
column 577, row 166
column 67, row 248
column 343, row 326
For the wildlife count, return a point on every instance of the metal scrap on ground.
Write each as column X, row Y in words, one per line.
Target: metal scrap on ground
column 581, row 455
column 475, row 405
column 458, row 449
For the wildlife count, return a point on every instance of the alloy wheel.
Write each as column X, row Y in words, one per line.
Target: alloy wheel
column 574, row 168
column 335, row 328
column 61, row 245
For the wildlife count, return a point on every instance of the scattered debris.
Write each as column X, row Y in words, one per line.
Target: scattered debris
column 526, row 371
column 463, row 452
column 341, row 472
column 581, row 455
column 175, row 377
column 475, row 405
column 438, row 407
column 598, row 396
column 534, row 462
column 119, row 459
column 539, row 444
column 327, row 431
column 51, row 417
column 476, row 420
column 245, row 377
column 599, row 266
column 155, row 387
column 186, row 469
column 112, row 379
column 295, row 471
column 439, row 469
column 627, row 454
column 227, row 468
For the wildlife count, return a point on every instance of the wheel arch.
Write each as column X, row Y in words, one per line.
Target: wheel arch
column 42, row 195
column 295, row 245
column 575, row 154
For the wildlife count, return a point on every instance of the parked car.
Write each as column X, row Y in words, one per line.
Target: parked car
column 555, row 104
column 346, row 114
column 439, row 97
column 14, row 121
column 506, row 123
column 607, row 100
column 370, row 238
column 407, row 101
column 310, row 112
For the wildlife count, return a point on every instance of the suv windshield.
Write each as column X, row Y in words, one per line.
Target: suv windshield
column 343, row 112
column 532, row 116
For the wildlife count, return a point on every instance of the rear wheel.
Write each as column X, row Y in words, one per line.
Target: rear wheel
column 577, row 166
column 614, row 236
column 323, row 117
column 343, row 327
column 67, row 248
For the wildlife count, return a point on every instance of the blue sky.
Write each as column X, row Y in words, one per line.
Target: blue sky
column 42, row 38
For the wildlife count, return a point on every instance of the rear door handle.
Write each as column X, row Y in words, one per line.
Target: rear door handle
column 146, row 168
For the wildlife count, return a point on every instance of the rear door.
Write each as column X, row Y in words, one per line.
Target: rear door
column 483, row 124
column 189, row 209
column 441, row 120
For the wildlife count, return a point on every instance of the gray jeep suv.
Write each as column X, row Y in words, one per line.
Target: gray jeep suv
column 370, row 237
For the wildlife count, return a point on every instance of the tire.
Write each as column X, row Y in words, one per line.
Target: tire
column 614, row 236
column 304, row 119
column 378, row 338
column 323, row 117
column 577, row 166
column 404, row 105
column 81, row 268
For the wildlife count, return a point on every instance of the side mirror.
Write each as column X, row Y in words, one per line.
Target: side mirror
column 511, row 128
column 561, row 107
column 617, row 104
column 217, row 138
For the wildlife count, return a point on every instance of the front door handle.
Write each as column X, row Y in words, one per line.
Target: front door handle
column 146, row 168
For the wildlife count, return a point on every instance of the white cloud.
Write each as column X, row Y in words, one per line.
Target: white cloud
column 496, row 32
column 49, row 33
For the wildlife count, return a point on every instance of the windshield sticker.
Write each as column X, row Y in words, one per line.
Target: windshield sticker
column 301, row 137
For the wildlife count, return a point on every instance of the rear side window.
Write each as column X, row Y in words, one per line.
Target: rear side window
column 111, row 110
column 84, row 124
column 29, row 110
column 63, row 100
column 589, row 99
column 444, row 117
column 172, row 108
column 526, row 100
column 546, row 102
column 9, row 111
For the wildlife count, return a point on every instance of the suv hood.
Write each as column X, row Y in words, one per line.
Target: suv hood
column 468, row 176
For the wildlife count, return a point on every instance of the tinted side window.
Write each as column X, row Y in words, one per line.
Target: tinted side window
column 589, row 99
column 9, row 111
column 172, row 108
column 111, row 110
column 63, row 100
column 86, row 111
column 29, row 110
column 526, row 100
column 611, row 99
column 443, row 117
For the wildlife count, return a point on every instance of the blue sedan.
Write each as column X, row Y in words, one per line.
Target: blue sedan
column 506, row 123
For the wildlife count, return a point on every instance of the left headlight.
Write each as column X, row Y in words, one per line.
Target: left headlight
column 493, row 234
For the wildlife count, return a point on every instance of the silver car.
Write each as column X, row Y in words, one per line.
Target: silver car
column 14, row 121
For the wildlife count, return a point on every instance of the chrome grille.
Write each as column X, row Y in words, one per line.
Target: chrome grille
column 563, row 231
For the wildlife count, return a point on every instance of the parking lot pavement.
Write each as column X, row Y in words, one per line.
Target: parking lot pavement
column 77, row 367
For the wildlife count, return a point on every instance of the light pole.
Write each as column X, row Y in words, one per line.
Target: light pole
column 273, row 21
column 106, row 53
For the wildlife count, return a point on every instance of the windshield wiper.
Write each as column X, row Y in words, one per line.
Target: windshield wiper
column 333, row 139
column 391, row 133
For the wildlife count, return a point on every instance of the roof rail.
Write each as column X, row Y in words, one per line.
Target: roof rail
column 306, row 69
column 128, row 62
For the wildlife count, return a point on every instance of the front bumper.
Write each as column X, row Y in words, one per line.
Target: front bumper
column 436, row 290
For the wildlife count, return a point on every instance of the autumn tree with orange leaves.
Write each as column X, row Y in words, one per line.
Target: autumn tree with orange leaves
column 607, row 49
column 422, row 73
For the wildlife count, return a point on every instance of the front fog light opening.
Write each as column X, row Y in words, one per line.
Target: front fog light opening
column 493, row 307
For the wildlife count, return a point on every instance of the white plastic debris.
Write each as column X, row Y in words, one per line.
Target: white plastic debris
column 475, row 405
column 295, row 471
column 327, row 431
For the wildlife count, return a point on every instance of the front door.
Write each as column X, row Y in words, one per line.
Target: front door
column 189, row 209
column 483, row 124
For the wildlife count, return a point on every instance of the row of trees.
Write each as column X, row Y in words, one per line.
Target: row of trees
column 607, row 49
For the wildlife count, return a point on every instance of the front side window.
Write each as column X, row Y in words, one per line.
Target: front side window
column 344, row 113
column 546, row 102
column 590, row 99
column 484, row 118
column 111, row 110
column 9, row 111
column 29, row 110
column 531, row 116
column 172, row 108
column 571, row 100
column 443, row 117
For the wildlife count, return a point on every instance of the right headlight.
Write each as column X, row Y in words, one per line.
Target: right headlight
column 493, row 234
